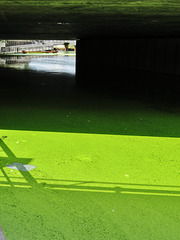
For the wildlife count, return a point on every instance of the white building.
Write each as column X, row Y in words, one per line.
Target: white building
column 2, row 44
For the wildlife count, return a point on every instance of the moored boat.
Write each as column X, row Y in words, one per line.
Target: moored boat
column 46, row 51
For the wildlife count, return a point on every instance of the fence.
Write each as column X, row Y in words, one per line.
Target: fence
column 33, row 46
column 18, row 49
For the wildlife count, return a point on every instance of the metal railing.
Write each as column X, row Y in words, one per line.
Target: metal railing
column 31, row 47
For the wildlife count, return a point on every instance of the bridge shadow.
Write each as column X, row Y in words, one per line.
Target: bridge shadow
column 42, row 102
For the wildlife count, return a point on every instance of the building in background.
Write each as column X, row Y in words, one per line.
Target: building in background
column 2, row 45
column 17, row 46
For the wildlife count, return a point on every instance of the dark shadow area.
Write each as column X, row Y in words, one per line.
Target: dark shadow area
column 37, row 101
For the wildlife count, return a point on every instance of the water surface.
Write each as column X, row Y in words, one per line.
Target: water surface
column 51, row 64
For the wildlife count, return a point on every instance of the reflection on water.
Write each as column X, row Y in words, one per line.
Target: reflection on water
column 51, row 64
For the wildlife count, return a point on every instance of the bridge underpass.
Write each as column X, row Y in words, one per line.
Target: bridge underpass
column 107, row 166
column 125, row 38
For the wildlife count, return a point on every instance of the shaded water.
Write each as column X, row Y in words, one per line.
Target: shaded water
column 51, row 64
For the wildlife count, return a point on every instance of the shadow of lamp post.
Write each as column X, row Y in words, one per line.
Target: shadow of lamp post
column 12, row 162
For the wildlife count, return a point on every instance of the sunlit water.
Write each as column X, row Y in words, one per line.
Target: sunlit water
column 49, row 64
column 59, row 64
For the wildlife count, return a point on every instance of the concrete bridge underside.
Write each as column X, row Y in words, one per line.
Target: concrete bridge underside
column 52, row 19
column 137, row 38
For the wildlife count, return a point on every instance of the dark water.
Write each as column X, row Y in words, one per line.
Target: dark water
column 50, row 64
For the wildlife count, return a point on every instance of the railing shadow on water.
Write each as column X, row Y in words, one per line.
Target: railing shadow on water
column 28, row 181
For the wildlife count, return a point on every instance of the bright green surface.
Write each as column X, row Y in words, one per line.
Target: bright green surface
column 89, row 186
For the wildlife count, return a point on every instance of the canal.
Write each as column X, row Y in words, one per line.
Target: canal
column 100, row 163
column 64, row 64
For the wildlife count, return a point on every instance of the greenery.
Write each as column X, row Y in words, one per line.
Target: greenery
column 106, row 168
